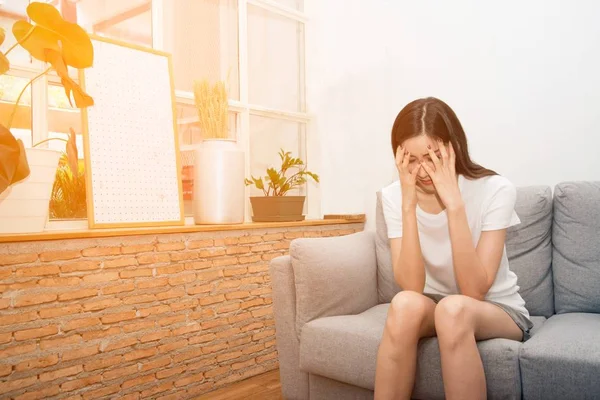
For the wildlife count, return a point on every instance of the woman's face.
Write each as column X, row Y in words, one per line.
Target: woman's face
column 417, row 147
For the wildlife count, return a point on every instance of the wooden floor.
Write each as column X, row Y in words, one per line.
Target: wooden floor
column 263, row 387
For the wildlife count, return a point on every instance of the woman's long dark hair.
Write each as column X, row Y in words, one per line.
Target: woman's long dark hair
column 434, row 118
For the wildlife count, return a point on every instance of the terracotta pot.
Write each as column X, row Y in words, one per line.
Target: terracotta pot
column 277, row 208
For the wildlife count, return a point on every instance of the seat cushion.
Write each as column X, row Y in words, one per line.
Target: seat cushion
column 529, row 249
column 576, row 256
column 562, row 360
column 344, row 348
column 386, row 284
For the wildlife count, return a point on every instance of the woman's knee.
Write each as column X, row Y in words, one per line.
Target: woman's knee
column 454, row 318
column 406, row 314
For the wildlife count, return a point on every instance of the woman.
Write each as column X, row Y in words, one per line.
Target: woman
column 447, row 218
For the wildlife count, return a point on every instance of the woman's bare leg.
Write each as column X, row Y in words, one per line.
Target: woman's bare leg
column 410, row 317
column 460, row 321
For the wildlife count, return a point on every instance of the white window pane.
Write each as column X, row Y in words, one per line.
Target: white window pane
column 126, row 20
column 202, row 35
column 268, row 137
column 11, row 11
column 10, row 87
column 274, row 60
column 295, row 4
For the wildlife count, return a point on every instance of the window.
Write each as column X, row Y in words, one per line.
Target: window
column 255, row 46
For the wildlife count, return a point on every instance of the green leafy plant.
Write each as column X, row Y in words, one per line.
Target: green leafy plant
column 60, row 44
column 276, row 183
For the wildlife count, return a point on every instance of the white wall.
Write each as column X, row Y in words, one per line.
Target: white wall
column 522, row 77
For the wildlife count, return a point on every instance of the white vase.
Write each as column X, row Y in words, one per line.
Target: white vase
column 219, row 189
column 24, row 205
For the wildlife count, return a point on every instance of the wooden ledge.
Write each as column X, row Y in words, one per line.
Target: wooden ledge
column 98, row 233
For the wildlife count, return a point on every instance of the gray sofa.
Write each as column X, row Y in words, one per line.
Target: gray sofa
column 331, row 295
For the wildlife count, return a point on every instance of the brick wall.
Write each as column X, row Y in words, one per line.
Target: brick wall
column 160, row 316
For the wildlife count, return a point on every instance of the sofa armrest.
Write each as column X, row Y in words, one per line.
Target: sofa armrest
column 294, row 383
column 334, row 276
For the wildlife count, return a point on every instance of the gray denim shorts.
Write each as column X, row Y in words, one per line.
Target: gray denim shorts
column 522, row 321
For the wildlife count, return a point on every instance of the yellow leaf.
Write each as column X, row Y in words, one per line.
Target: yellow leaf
column 2, row 35
column 55, row 59
column 82, row 99
column 4, row 64
column 13, row 160
column 54, row 33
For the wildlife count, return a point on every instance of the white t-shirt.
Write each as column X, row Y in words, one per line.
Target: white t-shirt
column 489, row 204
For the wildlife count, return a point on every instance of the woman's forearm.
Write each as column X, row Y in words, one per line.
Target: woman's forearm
column 409, row 269
column 471, row 277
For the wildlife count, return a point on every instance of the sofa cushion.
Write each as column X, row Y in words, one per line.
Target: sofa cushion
column 562, row 360
column 344, row 348
column 333, row 276
column 386, row 284
column 529, row 248
column 576, row 255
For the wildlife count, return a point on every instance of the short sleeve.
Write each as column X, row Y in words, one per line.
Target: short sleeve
column 392, row 212
column 499, row 212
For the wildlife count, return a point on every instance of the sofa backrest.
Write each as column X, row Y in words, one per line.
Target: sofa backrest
column 528, row 247
column 576, row 253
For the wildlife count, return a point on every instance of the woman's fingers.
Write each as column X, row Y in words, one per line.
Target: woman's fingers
column 452, row 159
column 429, row 170
column 406, row 160
column 399, row 154
column 434, row 157
column 443, row 152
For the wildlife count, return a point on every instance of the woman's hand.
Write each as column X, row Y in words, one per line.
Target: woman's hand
column 408, row 179
column 444, row 176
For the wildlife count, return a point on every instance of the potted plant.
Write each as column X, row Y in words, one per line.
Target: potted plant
column 27, row 175
column 219, row 164
column 275, row 205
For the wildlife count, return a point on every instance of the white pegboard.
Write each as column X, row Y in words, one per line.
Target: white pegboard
column 131, row 142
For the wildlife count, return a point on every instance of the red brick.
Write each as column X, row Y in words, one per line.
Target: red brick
column 228, row 333
column 273, row 237
column 200, row 389
column 80, row 353
column 118, row 344
column 35, row 363
column 184, row 305
column 138, row 326
column 12, row 259
column 150, row 337
column 80, row 323
column 17, row 349
column 5, row 273
column 283, row 245
column 253, row 269
column 270, row 343
column 187, row 355
column 16, row 384
column 37, row 271
column 252, row 326
column 211, row 253
column 120, row 372
column 152, row 283
column 228, row 241
column 237, row 295
column 158, row 363
column 239, row 317
column 204, row 301
column 261, row 291
column 101, row 251
column 174, row 396
column 225, row 261
column 250, row 239
column 53, row 282
column 184, row 256
column 102, row 363
column 5, row 337
column 39, row 394
column 118, row 317
column 171, row 269
column 139, row 354
column 152, row 258
column 75, row 384
column 263, row 334
column 202, row 339
column 163, row 387
column 60, row 373
column 253, row 349
column 60, row 255
column 36, row 332
column 261, row 312
column 135, row 273
column 165, row 373
column 228, row 308
column 140, row 248
column 243, row 364
column 77, row 294
column 101, row 277
column 172, row 320
column 203, row 363
column 104, row 391
column 188, row 380
column 197, row 244
column 250, row 259
column 101, row 304
column 198, row 265
column 214, row 372
column 71, row 309
column 262, row 248
column 186, row 329
column 293, row 235
column 79, row 266
column 182, row 279
column 270, row 256
column 127, row 287
column 139, row 299
column 228, row 284
column 173, row 246
column 144, row 312
column 101, row 333
column 266, row 357
column 214, row 348
column 29, row 300
column 238, row 250
column 235, row 271
column 199, row 289
column 252, row 303
column 130, row 396
column 252, row 280
column 120, row 262
column 169, row 347
column 59, row 341
column 208, row 276
column 238, row 342
column 171, row 294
